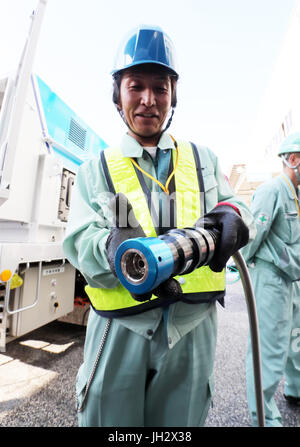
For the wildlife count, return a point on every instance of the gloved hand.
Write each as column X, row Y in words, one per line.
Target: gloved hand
column 126, row 227
column 169, row 288
column 234, row 233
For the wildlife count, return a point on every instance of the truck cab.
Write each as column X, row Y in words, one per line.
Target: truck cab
column 42, row 144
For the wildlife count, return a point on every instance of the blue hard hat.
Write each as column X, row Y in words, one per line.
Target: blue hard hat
column 290, row 144
column 145, row 45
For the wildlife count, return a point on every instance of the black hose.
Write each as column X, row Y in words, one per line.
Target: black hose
column 254, row 331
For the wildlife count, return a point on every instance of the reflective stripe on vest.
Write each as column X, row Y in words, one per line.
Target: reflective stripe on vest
column 203, row 281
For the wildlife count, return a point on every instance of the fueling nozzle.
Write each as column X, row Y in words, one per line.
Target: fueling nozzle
column 144, row 263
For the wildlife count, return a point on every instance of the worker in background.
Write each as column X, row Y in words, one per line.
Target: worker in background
column 148, row 359
column 274, row 264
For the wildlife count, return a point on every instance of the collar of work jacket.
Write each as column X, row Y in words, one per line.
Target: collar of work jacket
column 131, row 148
column 289, row 187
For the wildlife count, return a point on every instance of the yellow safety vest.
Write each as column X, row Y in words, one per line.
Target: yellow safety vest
column 201, row 285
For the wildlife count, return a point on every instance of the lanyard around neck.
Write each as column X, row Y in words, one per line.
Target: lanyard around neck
column 165, row 187
column 294, row 195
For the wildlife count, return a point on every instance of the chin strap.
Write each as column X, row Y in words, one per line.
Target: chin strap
column 151, row 136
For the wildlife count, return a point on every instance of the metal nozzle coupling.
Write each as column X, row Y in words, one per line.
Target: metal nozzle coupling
column 191, row 247
column 144, row 263
column 134, row 265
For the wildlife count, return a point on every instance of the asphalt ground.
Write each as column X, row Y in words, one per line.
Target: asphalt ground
column 38, row 371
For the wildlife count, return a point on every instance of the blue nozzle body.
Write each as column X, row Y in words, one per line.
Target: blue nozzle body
column 143, row 263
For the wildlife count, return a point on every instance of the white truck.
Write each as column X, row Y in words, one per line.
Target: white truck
column 42, row 144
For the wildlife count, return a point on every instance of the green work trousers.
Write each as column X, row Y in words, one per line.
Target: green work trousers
column 142, row 383
column 278, row 308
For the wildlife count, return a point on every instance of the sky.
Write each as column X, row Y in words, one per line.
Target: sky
column 226, row 51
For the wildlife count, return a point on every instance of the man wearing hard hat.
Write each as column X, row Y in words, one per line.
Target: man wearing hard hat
column 274, row 264
column 148, row 359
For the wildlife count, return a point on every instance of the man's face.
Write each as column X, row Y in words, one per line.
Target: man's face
column 145, row 99
column 297, row 163
column 294, row 159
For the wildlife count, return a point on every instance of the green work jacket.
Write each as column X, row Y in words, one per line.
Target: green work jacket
column 276, row 210
column 90, row 222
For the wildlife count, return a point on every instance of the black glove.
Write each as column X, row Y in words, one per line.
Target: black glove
column 234, row 233
column 126, row 227
column 169, row 288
